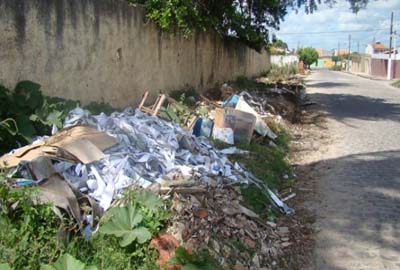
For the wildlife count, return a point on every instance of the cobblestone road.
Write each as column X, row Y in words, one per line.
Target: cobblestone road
column 358, row 214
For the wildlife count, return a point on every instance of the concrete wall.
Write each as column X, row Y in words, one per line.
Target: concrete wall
column 282, row 60
column 102, row 50
column 396, row 69
column 361, row 64
column 379, row 67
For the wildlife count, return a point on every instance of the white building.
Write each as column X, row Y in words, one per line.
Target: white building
column 375, row 48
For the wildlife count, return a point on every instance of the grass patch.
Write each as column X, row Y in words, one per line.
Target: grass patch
column 396, row 84
column 268, row 164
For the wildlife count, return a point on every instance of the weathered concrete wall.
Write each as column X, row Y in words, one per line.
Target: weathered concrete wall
column 102, row 50
column 379, row 67
column 282, row 60
column 361, row 64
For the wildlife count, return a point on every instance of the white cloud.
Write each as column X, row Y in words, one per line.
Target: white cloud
column 340, row 18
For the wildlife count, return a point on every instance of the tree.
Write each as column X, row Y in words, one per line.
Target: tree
column 308, row 56
column 247, row 20
column 278, row 43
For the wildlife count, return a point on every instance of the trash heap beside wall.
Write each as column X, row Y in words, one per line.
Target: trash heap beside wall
column 104, row 50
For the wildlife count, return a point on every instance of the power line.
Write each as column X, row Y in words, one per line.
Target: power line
column 332, row 32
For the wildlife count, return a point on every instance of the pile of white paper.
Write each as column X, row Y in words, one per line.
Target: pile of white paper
column 149, row 150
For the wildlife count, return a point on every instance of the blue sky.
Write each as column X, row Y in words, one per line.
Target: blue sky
column 375, row 17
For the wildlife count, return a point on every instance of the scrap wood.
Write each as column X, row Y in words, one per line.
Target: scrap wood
column 184, row 190
column 153, row 109
column 210, row 101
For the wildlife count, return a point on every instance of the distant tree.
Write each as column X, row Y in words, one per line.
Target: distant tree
column 278, row 43
column 308, row 56
column 249, row 21
column 278, row 46
column 337, row 58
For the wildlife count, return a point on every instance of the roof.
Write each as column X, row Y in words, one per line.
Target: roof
column 322, row 52
column 341, row 52
column 378, row 45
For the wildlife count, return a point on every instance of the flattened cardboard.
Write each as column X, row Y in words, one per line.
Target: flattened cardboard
column 78, row 143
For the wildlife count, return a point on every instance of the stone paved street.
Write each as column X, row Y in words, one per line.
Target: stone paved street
column 358, row 216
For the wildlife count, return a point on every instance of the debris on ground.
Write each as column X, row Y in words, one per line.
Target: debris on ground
column 218, row 221
column 84, row 169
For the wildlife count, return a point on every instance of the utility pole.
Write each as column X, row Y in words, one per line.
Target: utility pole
column 348, row 56
column 389, row 73
column 395, row 47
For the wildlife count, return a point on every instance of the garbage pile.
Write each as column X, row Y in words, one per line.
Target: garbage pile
column 281, row 100
column 101, row 155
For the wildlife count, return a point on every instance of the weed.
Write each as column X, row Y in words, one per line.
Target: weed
column 243, row 82
column 201, row 260
column 29, row 234
column 100, row 107
column 281, row 73
column 186, row 97
column 396, row 84
column 105, row 251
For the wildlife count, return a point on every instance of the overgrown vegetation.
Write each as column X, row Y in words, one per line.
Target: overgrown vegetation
column 33, row 237
column 29, row 234
column 246, row 20
column 281, row 73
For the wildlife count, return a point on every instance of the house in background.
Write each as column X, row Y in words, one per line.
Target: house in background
column 323, row 53
column 375, row 48
column 341, row 52
column 324, row 59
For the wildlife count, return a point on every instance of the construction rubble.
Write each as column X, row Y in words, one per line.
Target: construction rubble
column 94, row 158
column 216, row 220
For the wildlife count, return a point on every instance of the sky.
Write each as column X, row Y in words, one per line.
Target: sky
column 295, row 29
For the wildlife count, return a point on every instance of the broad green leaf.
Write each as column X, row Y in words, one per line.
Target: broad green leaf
column 140, row 234
column 122, row 223
column 67, row 262
column 54, row 118
column 149, row 199
column 25, row 127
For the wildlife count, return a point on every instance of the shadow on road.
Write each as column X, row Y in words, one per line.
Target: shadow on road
column 343, row 106
column 327, row 84
column 368, row 214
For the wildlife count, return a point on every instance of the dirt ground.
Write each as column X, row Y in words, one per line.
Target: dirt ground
column 309, row 139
